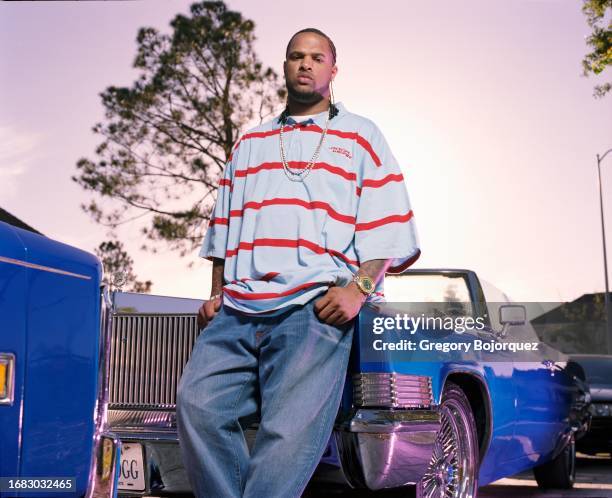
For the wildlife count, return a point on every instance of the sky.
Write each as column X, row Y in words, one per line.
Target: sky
column 481, row 101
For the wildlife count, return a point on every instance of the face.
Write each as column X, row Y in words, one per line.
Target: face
column 309, row 68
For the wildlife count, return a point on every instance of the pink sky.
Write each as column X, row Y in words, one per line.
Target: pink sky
column 482, row 103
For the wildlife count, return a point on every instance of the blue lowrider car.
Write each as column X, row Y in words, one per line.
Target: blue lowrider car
column 88, row 383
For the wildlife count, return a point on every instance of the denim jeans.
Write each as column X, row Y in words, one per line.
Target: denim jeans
column 287, row 369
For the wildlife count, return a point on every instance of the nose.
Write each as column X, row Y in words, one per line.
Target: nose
column 306, row 64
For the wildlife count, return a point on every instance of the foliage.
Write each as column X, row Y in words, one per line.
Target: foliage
column 167, row 138
column 600, row 41
column 118, row 266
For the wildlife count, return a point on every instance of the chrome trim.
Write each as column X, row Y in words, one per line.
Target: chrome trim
column 164, row 420
column 385, row 449
column 104, row 474
column 147, row 357
column 100, row 484
column 392, row 390
column 50, row 269
column 149, row 304
column 139, row 434
column 9, row 360
column 386, row 421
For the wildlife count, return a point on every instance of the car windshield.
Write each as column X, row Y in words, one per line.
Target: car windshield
column 598, row 369
column 420, row 288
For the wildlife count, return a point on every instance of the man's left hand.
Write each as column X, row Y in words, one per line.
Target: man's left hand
column 339, row 304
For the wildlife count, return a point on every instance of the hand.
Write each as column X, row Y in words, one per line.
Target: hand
column 340, row 304
column 208, row 310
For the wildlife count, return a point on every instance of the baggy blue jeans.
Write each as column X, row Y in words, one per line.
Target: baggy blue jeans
column 289, row 369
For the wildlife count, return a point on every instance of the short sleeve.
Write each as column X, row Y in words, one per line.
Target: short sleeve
column 385, row 226
column 215, row 240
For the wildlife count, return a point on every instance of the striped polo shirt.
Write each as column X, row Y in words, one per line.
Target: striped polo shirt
column 285, row 242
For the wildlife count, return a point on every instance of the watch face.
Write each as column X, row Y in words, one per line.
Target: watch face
column 368, row 284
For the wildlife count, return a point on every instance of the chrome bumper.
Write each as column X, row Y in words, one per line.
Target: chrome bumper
column 386, row 448
column 105, row 469
column 106, row 454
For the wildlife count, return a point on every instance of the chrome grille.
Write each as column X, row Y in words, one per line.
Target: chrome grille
column 160, row 420
column 392, row 390
column 147, row 357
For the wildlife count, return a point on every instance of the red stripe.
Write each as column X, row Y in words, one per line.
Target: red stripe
column 383, row 181
column 291, row 243
column 234, row 149
column 269, row 276
column 338, row 254
column 226, row 182
column 395, row 218
column 350, row 135
column 379, row 183
column 271, row 295
column 295, row 202
column 218, row 221
column 360, row 140
column 296, row 165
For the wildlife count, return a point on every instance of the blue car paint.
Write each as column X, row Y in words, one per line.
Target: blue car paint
column 50, row 427
column 13, row 290
column 529, row 406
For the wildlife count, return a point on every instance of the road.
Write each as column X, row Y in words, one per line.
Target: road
column 593, row 477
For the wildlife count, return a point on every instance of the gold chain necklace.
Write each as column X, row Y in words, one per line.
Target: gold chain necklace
column 300, row 176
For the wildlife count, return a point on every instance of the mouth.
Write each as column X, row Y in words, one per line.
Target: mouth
column 302, row 78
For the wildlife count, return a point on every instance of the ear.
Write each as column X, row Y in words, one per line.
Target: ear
column 334, row 71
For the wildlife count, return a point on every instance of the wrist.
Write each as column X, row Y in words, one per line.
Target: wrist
column 356, row 291
column 364, row 283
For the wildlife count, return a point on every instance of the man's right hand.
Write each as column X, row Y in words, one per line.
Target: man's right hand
column 207, row 311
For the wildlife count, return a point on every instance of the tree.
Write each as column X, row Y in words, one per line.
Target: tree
column 600, row 41
column 118, row 267
column 167, row 138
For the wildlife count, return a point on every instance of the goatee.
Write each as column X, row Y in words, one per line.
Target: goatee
column 304, row 97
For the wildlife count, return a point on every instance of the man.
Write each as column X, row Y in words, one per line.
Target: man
column 310, row 214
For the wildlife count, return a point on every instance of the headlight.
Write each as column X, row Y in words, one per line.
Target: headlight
column 7, row 378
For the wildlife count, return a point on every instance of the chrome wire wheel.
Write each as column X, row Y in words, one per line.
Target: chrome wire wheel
column 452, row 471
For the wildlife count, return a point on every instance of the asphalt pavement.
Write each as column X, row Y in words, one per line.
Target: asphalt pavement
column 593, row 480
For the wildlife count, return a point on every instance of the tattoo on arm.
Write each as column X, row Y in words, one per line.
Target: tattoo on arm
column 375, row 269
column 217, row 276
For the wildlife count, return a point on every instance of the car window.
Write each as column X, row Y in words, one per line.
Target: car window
column 421, row 288
column 495, row 299
column 450, row 289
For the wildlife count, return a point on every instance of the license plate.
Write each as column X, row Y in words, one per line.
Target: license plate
column 131, row 471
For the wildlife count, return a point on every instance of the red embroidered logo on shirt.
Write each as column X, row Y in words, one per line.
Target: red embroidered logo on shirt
column 340, row 150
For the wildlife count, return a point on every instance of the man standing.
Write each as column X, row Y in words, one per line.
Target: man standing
column 311, row 213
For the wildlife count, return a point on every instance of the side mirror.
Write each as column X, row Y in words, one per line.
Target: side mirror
column 512, row 314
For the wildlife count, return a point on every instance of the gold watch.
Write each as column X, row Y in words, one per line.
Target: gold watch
column 364, row 284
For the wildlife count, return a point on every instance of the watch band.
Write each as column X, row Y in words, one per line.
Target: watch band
column 364, row 283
